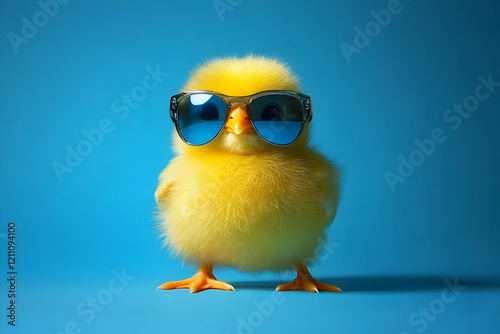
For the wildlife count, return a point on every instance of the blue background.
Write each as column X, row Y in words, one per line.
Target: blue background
column 392, row 249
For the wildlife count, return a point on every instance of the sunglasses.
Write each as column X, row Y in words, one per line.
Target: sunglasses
column 277, row 116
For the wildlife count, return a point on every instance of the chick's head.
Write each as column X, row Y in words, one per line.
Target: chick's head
column 241, row 77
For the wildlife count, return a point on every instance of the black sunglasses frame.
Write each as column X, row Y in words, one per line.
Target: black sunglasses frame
column 304, row 99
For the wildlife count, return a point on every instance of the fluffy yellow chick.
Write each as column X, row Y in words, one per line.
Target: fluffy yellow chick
column 240, row 201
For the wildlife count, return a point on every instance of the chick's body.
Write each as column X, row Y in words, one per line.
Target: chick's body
column 240, row 201
column 252, row 212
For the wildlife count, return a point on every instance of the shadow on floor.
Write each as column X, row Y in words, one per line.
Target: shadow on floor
column 384, row 283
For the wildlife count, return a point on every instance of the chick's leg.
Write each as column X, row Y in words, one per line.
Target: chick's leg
column 305, row 281
column 204, row 279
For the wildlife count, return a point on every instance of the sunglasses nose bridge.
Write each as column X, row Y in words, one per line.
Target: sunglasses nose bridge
column 238, row 107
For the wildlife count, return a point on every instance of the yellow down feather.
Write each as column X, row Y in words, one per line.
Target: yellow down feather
column 242, row 202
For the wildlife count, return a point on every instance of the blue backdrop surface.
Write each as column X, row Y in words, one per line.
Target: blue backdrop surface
column 406, row 97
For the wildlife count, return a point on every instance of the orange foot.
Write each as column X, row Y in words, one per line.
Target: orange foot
column 204, row 279
column 305, row 281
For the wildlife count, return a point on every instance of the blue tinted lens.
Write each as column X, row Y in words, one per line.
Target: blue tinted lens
column 201, row 117
column 277, row 117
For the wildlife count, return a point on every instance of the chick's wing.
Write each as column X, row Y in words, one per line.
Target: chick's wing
column 166, row 181
column 329, row 189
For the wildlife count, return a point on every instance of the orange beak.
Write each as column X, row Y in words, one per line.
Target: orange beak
column 238, row 121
